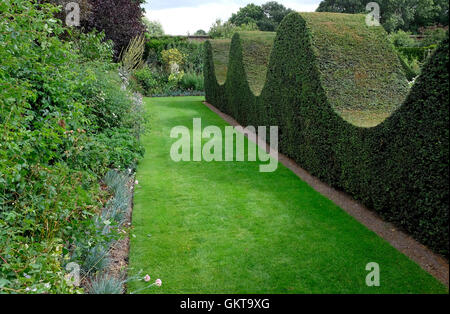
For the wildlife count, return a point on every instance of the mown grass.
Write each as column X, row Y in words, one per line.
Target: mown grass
column 224, row 227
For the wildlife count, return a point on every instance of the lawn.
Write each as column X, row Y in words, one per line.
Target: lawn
column 224, row 227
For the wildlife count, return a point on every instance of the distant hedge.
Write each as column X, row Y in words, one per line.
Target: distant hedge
column 399, row 168
column 419, row 53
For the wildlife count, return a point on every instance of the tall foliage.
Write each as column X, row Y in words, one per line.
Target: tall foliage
column 399, row 168
column 407, row 15
column 64, row 121
column 267, row 16
column 120, row 20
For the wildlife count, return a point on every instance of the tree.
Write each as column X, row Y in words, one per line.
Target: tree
column 200, row 32
column 121, row 20
column 407, row 15
column 267, row 17
column 343, row 6
column 154, row 28
column 251, row 13
column 274, row 13
column 85, row 8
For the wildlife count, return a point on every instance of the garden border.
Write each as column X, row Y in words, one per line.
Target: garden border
column 120, row 252
column 431, row 262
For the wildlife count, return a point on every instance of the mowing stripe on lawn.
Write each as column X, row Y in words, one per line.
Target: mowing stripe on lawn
column 225, row 227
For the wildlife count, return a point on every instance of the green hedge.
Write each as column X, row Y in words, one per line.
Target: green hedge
column 399, row 167
column 409, row 72
column 418, row 53
column 192, row 50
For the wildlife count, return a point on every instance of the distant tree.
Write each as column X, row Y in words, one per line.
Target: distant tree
column 407, row 15
column 226, row 30
column 343, row 6
column 251, row 13
column 267, row 17
column 154, row 28
column 200, row 32
column 274, row 13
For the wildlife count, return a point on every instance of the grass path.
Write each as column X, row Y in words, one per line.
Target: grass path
column 224, row 227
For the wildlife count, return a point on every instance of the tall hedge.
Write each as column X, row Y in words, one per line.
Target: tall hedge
column 399, row 167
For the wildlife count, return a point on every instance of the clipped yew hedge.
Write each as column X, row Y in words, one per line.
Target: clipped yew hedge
column 399, row 167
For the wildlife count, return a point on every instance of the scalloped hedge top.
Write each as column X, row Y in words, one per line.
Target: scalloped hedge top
column 360, row 71
column 256, row 49
column 326, row 70
column 221, row 54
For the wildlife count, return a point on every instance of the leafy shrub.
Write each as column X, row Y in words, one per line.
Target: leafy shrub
column 399, row 168
column 172, row 57
column 416, row 53
column 410, row 68
column 154, row 83
column 193, row 54
column 192, row 51
column 120, row 20
column 192, row 81
column 433, row 35
column 402, row 39
column 146, row 79
column 92, row 46
column 64, row 121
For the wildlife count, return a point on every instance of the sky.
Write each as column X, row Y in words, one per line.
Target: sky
column 179, row 17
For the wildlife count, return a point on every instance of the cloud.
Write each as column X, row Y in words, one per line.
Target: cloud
column 171, row 4
column 179, row 17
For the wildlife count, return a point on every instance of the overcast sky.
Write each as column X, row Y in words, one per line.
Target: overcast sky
column 179, row 17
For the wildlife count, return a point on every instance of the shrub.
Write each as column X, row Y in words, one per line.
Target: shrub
column 192, row 52
column 434, row 35
column 92, row 46
column 398, row 167
column 402, row 39
column 416, row 53
column 64, row 121
column 410, row 68
column 192, row 81
column 146, row 79
column 120, row 20
column 172, row 57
